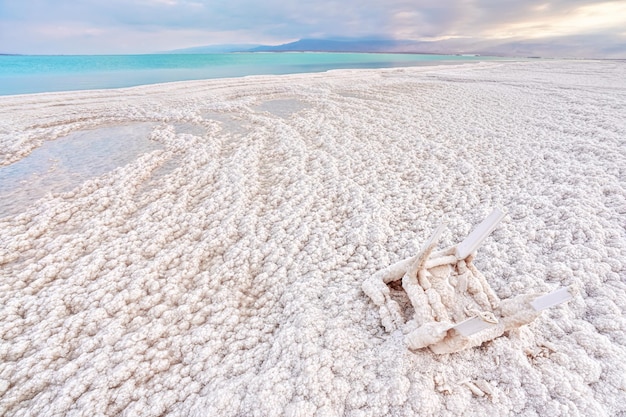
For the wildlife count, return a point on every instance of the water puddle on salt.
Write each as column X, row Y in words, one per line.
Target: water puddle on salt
column 62, row 164
column 283, row 107
column 190, row 129
column 229, row 123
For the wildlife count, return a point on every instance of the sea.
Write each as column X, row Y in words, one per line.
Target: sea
column 23, row 74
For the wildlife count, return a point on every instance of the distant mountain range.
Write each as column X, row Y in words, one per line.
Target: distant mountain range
column 325, row 45
column 564, row 47
column 353, row 45
column 215, row 49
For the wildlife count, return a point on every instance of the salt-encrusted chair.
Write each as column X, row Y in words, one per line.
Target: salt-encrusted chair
column 455, row 308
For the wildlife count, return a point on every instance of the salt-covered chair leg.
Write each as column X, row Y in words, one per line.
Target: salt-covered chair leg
column 479, row 234
column 427, row 335
column 518, row 311
column 493, row 299
column 427, row 249
column 410, row 282
column 389, row 310
column 376, row 286
column 554, row 298
column 419, row 299
column 525, row 308
column 417, row 286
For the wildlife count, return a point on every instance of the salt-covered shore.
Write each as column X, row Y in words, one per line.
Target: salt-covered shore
column 219, row 272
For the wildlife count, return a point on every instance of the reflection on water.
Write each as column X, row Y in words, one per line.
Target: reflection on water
column 62, row 164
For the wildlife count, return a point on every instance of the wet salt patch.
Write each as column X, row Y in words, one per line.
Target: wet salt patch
column 190, row 129
column 283, row 107
column 62, row 164
column 228, row 122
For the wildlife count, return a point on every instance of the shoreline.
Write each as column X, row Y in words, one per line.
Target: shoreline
column 86, row 72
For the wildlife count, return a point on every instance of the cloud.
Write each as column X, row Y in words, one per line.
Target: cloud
column 75, row 26
column 591, row 18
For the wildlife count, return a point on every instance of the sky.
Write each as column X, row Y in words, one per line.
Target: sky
column 143, row 26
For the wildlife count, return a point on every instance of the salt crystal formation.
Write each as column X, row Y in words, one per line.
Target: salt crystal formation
column 455, row 308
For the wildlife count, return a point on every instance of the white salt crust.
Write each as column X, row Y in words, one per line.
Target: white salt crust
column 221, row 275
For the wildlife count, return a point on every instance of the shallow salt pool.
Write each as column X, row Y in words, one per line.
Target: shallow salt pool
column 283, row 107
column 62, row 164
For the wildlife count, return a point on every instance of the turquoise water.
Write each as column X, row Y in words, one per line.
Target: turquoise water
column 36, row 74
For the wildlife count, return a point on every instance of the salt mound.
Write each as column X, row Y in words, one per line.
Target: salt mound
column 220, row 272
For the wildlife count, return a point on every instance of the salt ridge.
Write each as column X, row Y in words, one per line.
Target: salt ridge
column 221, row 274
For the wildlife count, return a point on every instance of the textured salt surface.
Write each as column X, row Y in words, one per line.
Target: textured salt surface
column 220, row 274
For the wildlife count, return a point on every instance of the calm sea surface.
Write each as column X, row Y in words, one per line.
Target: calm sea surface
column 37, row 74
